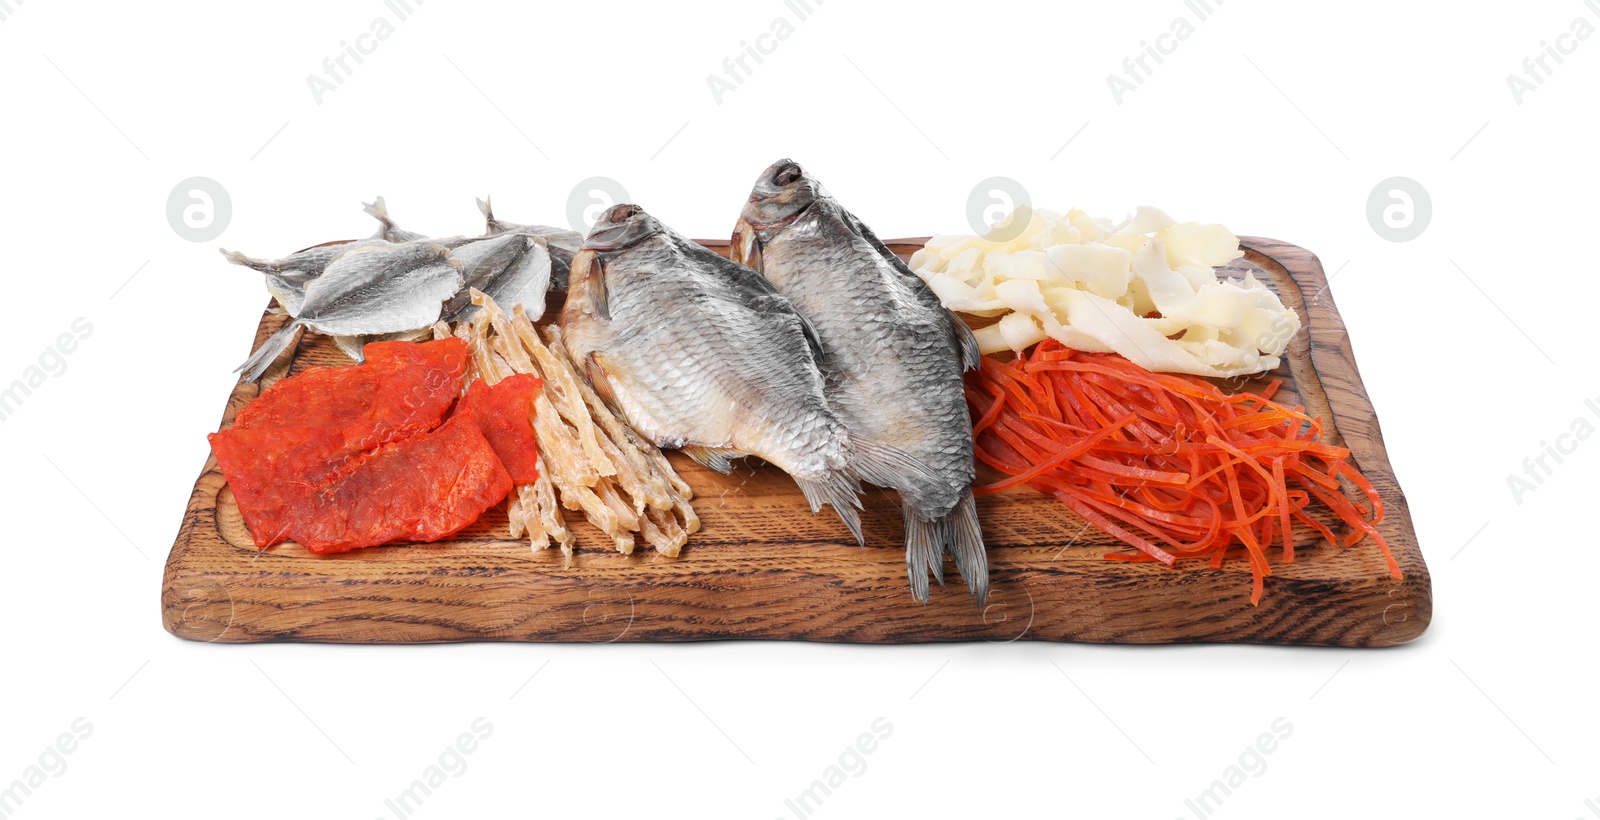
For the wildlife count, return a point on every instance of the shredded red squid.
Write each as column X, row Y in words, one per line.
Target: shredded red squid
column 1168, row 464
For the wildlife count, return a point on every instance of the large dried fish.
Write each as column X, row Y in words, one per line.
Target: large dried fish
column 384, row 289
column 892, row 353
column 702, row 354
column 562, row 243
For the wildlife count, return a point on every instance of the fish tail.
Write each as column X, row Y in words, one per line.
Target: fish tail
column 486, row 207
column 925, row 541
column 238, row 258
column 378, row 210
column 966, row 546
column 957, row 534
column 841, row 491
column 255, row 366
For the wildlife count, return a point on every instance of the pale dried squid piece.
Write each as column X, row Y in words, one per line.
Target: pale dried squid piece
column 567, row 476
column 562, row 386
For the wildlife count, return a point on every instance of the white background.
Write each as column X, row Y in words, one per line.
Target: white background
column 1474, row 340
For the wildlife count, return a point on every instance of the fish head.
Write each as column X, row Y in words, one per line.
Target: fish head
column 621, row 227
column 781, row 194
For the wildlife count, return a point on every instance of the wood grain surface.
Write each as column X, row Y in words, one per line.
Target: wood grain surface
column 764, row 567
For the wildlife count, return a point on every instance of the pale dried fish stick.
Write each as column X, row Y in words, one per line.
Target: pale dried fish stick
column 562, row 384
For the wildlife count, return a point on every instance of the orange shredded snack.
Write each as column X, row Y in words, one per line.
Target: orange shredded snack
column 1166, row 463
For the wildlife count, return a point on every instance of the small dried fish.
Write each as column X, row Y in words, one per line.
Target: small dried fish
column 481, row 262
column 383, row 289
column 562, row 243
column 513, row 269
column 287, row 277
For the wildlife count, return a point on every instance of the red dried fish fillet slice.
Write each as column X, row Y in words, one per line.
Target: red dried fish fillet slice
column 504, row 414
column 402, row 389
column 274, row 472
column 422, row 488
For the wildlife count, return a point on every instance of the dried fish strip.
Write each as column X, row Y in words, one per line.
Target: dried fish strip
column 547, row 513
column 589, row 460
column 562, row 382
column 564, row 469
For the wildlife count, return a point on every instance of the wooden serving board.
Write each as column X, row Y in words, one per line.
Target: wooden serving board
column 764, row 567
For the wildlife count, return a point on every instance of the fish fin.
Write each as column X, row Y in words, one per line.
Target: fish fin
column 713, row 458
column 746, row 245
column 873, row 240
column 843, row 493
column 352, row 346
column 966, row 546
column 924, row 549
column 586, row 278
column 888, row 466
column 596, row 371
column 919, row 287
column 971, row 355
column 256, row 366
column 814, row 340
column 598, row 294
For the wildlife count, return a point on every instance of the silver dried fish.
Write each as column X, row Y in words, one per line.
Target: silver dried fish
column 287, row 277
column 562, row 244
column 481, row 262
column 384, row 289
column 892, row 353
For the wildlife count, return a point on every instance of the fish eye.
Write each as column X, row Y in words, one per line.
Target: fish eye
column 623, row 213
column 788, row 174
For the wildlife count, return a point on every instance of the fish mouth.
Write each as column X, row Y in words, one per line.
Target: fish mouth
column 621, row 226
column 782, row 194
